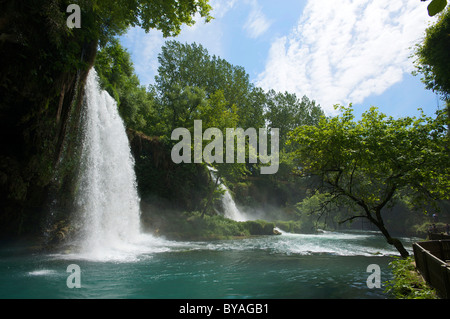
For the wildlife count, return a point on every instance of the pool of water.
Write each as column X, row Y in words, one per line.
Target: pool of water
column 326, row 265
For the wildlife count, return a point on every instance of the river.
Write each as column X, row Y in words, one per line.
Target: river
column 111, row 258
column 325, row 265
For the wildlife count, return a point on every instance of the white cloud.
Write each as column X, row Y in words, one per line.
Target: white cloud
column 257, row 23
column 344, row 51
column 221, row 7
column 144, row 49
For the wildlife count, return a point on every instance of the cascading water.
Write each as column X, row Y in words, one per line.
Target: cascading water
column 230, row 209
column 108, row 202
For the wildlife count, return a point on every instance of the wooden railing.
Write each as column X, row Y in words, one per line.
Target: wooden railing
column 432, row 260
column 438, row 236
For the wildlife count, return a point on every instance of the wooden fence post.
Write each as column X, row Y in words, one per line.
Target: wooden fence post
column 446, row 278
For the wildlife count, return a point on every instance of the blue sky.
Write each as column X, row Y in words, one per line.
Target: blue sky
column 333, row 51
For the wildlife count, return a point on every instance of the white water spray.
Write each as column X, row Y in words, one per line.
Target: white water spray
column 230, row 209
column 108, row 202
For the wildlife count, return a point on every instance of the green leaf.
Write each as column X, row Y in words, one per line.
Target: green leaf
column 436, row 6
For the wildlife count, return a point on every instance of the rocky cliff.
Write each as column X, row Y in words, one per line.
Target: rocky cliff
column 41, row 92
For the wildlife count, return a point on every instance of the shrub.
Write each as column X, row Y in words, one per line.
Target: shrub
column 407, row 282
column 259, row 227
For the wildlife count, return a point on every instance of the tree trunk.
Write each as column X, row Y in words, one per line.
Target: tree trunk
column 398, row 244
column 392, row 241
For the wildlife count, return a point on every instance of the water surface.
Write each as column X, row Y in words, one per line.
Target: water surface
column 326, row 265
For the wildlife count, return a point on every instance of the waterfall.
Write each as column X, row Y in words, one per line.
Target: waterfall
column 107, row 201
column 230, row 209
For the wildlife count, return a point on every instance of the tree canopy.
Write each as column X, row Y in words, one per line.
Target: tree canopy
column 436, row 6
column 286, row 112
column 114, row 17
column 367, row 164
column 191, row 65
column 432, row 56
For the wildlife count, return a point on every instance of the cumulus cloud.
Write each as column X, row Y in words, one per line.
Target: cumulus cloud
column 257, row 23
column 221, row 7
column 144, row 49
column 344, row 51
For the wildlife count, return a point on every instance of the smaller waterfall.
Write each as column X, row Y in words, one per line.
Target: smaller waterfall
column 230, row 209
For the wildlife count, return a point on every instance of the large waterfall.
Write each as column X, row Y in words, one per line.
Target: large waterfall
column 107, row 201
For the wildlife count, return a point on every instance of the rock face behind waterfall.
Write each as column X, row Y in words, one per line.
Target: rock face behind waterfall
column 41, row 95
column 162, row 184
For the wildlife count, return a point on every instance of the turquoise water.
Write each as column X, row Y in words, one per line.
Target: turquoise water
column 327, row 265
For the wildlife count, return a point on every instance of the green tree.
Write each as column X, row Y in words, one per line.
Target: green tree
column 366, row 164
column 116, row 72
column 228, row 98
column 177, row 107
column 254, row 115
column 114, row 17
column 435, row 6
column 433, row 59
column 286, row 112
column 191, row 65
column 215, row 112
column 433, row 56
